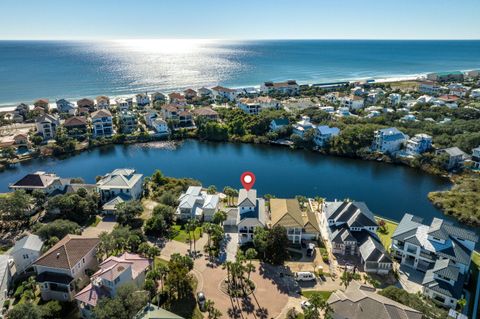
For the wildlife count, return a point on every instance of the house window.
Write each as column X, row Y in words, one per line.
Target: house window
column 25, row 256
column 117, row 280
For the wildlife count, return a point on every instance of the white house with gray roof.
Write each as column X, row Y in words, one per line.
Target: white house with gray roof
column 441, row 250
column 352, row 230
column 251, row 214
column 455, row 157
column 26, row 251
column 122, row 182
column 197, row 204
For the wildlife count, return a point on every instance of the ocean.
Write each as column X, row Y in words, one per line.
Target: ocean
column 67, row 69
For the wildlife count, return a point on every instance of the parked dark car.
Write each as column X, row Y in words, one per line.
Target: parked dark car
column 201, row 300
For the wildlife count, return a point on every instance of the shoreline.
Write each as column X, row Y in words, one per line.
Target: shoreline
column 10, row 106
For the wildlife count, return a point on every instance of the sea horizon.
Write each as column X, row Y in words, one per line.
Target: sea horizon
column 73, row 69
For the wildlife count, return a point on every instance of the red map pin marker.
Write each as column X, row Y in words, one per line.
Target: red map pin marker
column 247, row 179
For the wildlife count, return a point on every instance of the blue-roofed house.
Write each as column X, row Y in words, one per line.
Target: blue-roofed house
column 277, row 124
column 251, row 214
column 388, row 140
column 324, row 133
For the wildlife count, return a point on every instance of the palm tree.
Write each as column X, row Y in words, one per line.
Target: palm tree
column 462, row 303
column 346, row 278
column 188, row 227
column 250, row 254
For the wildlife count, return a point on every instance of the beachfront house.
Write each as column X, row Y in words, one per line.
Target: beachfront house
column 440, row 250
column 289, row 87
column 277, row 124
column 102, row 123
column 250, row 214
column 323, row 135
column 42, row 181
column 476, row 158
column 220, row 92
column 122, row 105
column 127, row 122
column 158, row 97
column 42, row 104
column 76, row 126
column 47, row 125
column 64, row 106
column 25, row 252
column 359, row 301
column 455, row 157
column 429, row 87
column 113, row 273
column 301, row 224
column 204, row 92
column 303, row 126
column 197, row 204
column 86, row 103
column 123, row 182
column 142, row 100
column 190, row 93
column 418, row 144
column 351, row 229
column 388, row 140
column 446, row 76
column 103, row 102
column 63, row 267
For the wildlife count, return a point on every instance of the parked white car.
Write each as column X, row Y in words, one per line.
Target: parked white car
column 304, row 276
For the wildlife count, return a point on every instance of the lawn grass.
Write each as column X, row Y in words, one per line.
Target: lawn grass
column 386, row 237
column 160, row 261
column 476, row 258
column 181, row 234
column 308, row 293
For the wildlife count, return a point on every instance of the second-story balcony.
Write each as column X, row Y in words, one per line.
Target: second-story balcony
column 411, row 250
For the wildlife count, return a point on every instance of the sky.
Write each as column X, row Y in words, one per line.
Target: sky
column 239, row 19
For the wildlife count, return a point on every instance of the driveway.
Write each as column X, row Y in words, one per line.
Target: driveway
column 231, row 242
column 105, row 225
column 410, row 279
column 267, row 301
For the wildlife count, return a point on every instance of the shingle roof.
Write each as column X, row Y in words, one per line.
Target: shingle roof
column 101, row 113
column 36, row 180
column 355, row 214
column 75, row 121
column 31, row 242
column 119, row 178
column 286, row 212
column 361, row 302
column 154, row 312
column 442, row 229
column 443, row 287
column 67, row 252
